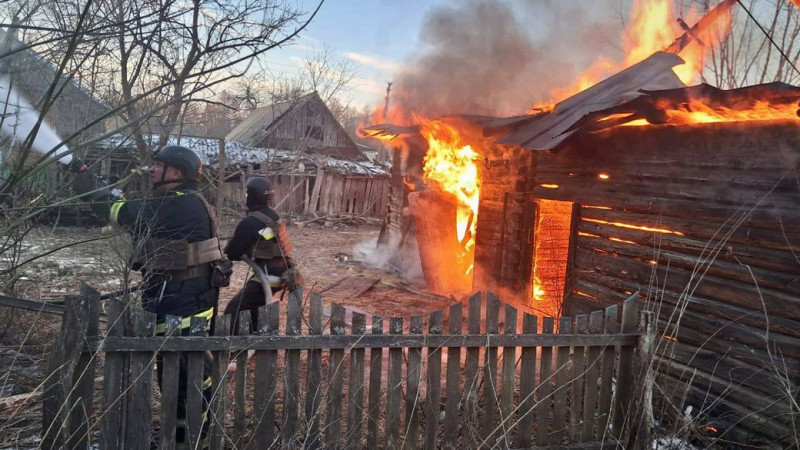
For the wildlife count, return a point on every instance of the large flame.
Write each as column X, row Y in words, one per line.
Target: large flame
column 450, row 165
column 654, row 26
column 701, row 111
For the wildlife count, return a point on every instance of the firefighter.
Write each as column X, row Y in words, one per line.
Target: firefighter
column 262, row 236
column 175, row 243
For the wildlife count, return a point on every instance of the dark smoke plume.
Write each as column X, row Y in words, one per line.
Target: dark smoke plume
column 500, row 57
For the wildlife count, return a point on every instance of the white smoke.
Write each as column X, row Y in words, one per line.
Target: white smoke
column 19, row 118
column 404, row 261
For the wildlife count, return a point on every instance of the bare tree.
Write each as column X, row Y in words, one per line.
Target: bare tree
column 151, row 61
column 762, row 46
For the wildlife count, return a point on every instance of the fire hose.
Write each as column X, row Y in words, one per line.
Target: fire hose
column 262, row 275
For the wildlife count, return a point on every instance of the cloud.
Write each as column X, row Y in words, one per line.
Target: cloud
column 374, row 62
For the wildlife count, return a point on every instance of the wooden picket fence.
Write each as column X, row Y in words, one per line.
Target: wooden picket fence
column 468, row 382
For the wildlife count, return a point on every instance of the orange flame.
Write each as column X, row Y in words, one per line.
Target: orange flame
column 653, row 27
column 450, row 165
column 634, row 227
column 701, row 111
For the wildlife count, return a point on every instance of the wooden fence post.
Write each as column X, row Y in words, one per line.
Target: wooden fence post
column 393, row 388
column 630, row 312
column 433, row 389
column 314, row 391
column 140, row 385
column 527, row 384
column 222, row 327
column 375, row 394
column 291, row 391
column 112, row 428
column 507, row 412
column 641, row 418
column 65, row 393
column 355, row 397
column 266, row 367
column 452, row 389
column 170, row 369
column 490, row 371
column 333, row 430
column 413, row 404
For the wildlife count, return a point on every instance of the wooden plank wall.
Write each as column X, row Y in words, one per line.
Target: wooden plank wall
column 503, row 244
column 718, row 263
column 487, row 399
column 323, row 193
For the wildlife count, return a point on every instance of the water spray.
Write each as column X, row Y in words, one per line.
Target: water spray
column 19, row 119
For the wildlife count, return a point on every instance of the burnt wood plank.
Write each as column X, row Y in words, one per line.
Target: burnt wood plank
column 314, row 387
column 433, row 387
column 452, row 389
column 375, row 394
column 393, row 388
column 544, row 407
column 355, row 391
column 413, row 403
column 170, row 378
column 291, row 388
column 264, row 392
column 333, row 429
column 527, row 386
column 507, row 410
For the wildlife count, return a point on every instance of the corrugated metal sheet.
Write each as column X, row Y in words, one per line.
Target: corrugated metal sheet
column 547, row 131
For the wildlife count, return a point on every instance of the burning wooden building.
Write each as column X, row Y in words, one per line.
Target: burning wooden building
column 688, row 195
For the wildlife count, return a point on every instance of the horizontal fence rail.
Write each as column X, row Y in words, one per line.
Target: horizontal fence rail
column 479, row 374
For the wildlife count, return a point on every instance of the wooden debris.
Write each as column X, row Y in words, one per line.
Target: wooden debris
column 349, row 287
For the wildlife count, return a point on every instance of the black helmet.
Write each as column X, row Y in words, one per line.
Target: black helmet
column 259, row 186
column 181, row 158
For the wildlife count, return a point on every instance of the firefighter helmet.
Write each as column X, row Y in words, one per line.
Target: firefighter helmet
column 259, row 186
column 181, row 158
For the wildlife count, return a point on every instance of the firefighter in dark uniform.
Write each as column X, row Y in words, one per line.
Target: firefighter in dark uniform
column 262, row 236
column 174, row 235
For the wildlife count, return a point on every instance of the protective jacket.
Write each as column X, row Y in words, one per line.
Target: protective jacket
column 174, row 241
column 256, row 236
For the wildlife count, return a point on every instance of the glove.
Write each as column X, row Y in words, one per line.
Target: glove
column 292, row 279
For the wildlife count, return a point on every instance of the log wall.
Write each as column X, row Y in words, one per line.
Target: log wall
column 718, row 263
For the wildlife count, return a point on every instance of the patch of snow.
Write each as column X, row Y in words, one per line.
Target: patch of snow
column 672, row 443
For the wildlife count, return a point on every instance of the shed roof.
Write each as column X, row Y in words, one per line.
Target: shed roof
column 261, row 120
column 237, row 153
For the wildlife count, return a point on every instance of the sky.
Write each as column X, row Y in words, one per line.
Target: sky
column 377, row 35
